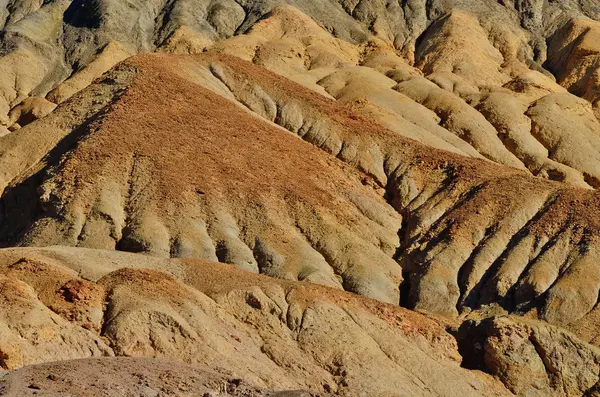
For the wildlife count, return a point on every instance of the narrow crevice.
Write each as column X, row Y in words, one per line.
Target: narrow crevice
column 462, row 199
column 591, row 180
column 543, row 357
column 105, row 322
column 512, row 244
column 469, row 300
column 160, row 23
column 524, row 301
column 124, row 244
column 470, row 338
column 405, row 287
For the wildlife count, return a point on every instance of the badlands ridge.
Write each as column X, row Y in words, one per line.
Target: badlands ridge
column 355, row 198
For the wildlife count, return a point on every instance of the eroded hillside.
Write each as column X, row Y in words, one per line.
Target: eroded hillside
column 177, row 166
column 441, row 156
column 484, row 79
column 254, row 334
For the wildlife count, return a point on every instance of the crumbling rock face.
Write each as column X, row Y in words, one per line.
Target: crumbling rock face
column 531, row 358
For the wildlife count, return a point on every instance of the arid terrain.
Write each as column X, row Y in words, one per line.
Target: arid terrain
column 300, row 198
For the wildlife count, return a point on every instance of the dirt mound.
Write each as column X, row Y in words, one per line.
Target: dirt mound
column 175, row 169
column 127, row 377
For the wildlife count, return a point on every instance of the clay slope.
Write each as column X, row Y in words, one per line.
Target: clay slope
column 267, row 334
column 212, row 329
column 176, row 166
column 480, row 78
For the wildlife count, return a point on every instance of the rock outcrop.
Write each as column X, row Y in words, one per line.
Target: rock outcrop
column 531, row 358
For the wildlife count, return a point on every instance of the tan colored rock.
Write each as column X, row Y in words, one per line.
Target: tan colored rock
column 25, row 68
column 534, row 359
column 574, row 57
column 126, row 205
column 552, row 117
column 472, row 234
column 507, row 114
column 421, row 181
column 306, row 43
column 457, row 44
column 186, row 41
column 531, row 86
column 109, row 56
column 373, row 94
column 30, row 110
column 32, row 333
column 460, row 118
column 272, row 334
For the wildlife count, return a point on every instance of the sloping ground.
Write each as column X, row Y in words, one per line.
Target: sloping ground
column 472, row 77
column 174, row 169
column 401, row 153
column 275, row 335
column 149, row 175
column 211, row 328
column 473, row 233
column 122, row 377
